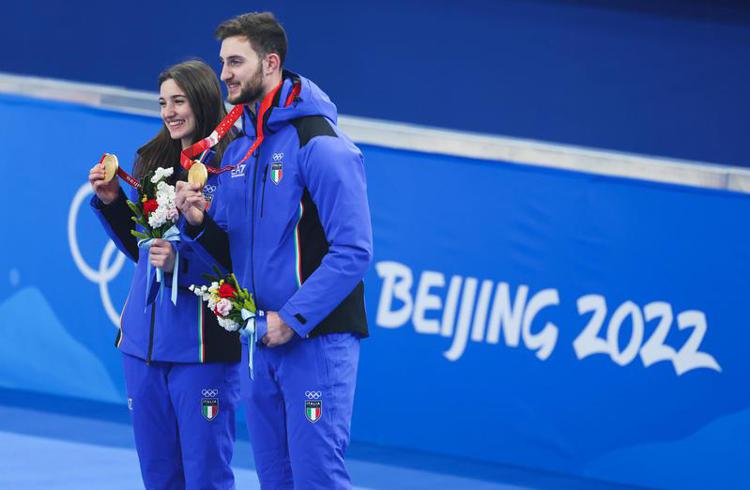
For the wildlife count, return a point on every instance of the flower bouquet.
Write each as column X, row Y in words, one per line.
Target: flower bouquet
column 155, row 210
column 233, row 307
column 156, row 213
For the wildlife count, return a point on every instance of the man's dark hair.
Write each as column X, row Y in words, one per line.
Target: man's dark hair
column 260, row 28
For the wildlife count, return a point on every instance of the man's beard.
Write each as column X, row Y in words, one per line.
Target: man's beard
column 250, row 92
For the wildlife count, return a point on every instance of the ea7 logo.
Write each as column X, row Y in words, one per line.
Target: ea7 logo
column 239, row 170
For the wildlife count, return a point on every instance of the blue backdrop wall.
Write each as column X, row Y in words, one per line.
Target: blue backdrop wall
column 556, row 320
column 661, row 78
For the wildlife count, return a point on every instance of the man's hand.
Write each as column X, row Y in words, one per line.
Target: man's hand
column 190, row 201
column 161, row 254
column 279, row 333
column 105, row 191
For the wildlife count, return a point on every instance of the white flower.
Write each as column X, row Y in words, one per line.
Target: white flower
column 165, row 192
column 228, row 324
column 161, row 173
column 166, row 210
column 157, row 218
column 223, row 307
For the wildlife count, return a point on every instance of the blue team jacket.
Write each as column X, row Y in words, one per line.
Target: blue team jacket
column 159, row 330
column 293, row 221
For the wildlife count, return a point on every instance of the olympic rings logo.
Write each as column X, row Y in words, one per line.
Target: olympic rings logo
column 209, row 189
column 211, row 393
column 313, row 395
column 107, row 270
column 277, row 157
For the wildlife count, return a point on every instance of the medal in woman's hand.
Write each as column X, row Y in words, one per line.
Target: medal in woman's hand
column 110, row 166
column 198, row 174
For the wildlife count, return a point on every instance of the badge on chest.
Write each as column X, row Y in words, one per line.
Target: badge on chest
column 277, row 168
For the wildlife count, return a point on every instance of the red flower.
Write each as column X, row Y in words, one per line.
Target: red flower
column 150, row 206
column 226, row 290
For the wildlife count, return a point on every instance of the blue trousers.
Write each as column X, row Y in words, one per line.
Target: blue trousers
column 299, row 411
column 184, row 422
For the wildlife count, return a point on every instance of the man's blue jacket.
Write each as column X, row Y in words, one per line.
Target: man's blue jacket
column 292, row 221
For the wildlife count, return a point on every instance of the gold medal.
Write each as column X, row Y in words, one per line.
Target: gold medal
column 198, row 174
column 110, row 166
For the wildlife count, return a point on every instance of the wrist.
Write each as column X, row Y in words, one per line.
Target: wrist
column 107, row 200
column 195, row 219
column 108, row 197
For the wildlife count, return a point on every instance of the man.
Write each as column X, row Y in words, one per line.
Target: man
column 292, row 221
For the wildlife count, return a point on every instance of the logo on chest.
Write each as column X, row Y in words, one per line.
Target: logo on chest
column 277, row 168
column 239, row 170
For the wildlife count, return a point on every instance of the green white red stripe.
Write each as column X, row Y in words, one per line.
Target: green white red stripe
column 201, row 333
column 122, row 313
column 297, row 249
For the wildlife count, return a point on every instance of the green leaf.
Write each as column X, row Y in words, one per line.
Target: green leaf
column 233, row 281
column 134, row 208
column 140, row 235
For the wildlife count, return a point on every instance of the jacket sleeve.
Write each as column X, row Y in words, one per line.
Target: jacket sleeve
column 209, row 240
column 197, row 249
column 334, row 175
column 115, row 217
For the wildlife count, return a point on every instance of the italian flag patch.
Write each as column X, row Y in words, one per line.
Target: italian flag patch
column 209, row 408
column 313, row 410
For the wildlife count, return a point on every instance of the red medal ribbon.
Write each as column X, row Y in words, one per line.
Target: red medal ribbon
column 128, row 178
column 124, row 175
column 226, row 123
column 186, row 156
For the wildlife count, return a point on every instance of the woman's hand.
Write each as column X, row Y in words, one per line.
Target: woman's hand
column 190, row 201
column 161, row 254
column 105, row 191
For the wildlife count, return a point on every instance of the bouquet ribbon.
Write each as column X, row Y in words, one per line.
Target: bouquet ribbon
column 171, row 235
column 251, row 332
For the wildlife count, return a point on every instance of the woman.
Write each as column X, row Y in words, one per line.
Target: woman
column 181, row 368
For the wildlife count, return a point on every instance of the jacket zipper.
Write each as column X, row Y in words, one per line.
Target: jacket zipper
column 252, row 220
column 263, row 194
column 151, row 336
